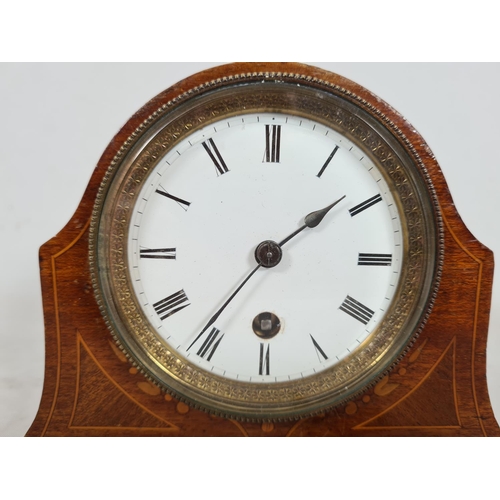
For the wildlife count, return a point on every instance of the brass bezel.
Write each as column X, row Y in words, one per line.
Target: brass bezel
column 324, row 102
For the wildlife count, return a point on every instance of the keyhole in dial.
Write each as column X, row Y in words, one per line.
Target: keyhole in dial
column 266, row 325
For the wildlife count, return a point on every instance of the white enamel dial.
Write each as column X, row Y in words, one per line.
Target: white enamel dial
column 228, row 187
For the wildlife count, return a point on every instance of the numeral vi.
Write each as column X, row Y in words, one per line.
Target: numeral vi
column 264, row 361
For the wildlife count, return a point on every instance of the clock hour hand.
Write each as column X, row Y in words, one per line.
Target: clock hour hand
column 311, row 220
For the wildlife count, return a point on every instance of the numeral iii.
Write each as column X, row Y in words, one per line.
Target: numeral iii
column 374, row 259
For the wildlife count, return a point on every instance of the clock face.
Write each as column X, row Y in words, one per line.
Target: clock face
column 234, row 184
column 264, row 249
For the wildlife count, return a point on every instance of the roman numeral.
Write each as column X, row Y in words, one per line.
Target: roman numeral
column 215, row 156
column 264, row 360
column 172, row 197
column 157, row 253
column 374, row 259
column 357, row 310
column 327, row 162
column 319, row 351
column 208, row 347
column 171, row 304
column 273, row 144
column 366, row 204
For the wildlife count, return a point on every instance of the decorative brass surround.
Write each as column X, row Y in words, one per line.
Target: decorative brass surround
column 310, row 98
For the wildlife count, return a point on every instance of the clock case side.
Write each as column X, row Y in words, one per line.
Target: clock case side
column 75, row 233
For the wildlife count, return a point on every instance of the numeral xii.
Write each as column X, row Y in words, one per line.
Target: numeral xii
column 273, row 144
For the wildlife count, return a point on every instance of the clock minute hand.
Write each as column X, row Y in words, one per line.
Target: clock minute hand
column 312, row 220
column 213, row 319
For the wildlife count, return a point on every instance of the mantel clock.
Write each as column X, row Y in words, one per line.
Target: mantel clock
column 270, row 249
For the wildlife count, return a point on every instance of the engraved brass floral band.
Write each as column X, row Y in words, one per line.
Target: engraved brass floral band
column 331, row 105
